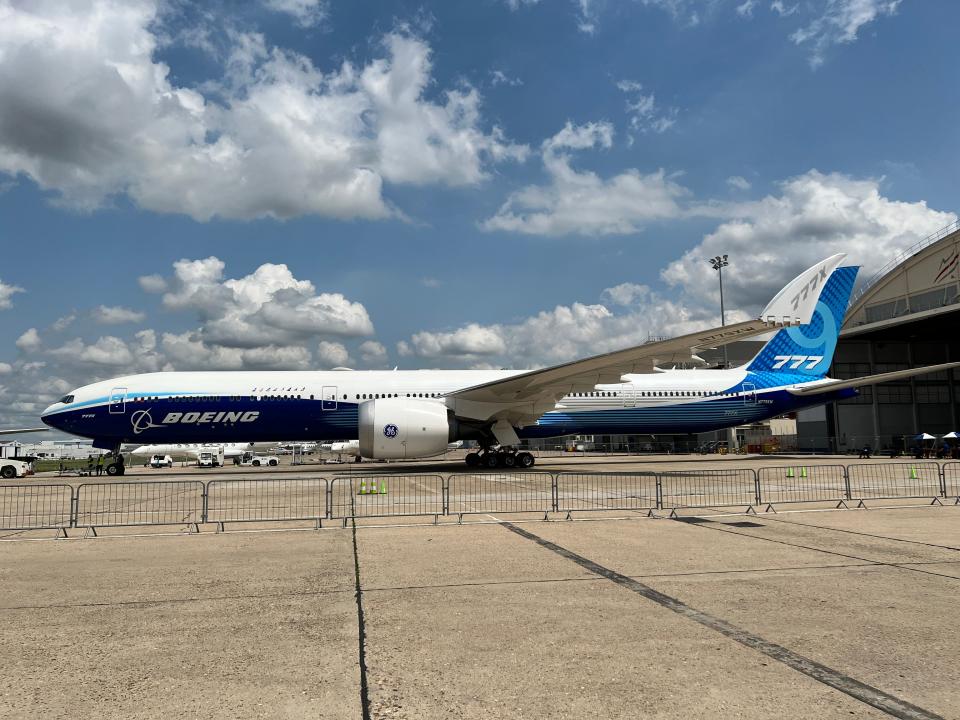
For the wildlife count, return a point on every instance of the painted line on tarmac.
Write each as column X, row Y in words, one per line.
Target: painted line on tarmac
column 868, row 694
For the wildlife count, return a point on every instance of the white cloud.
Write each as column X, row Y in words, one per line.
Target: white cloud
column 307, row 13
column 116, row 315
column 430, row 282
column 29, row 341
column 498, row 77
column 332, row 354
column 581, row 202
column 87, row 111
column 745, row 9
column 7, row 291
column 5, row 368
column 839, row 23
column 373, row 352
column 645, row 114
column 469, row 341
column 268, row 307
column 627, row 293
column 783, row 10
column 62, row 323
column 152, row 283
column 771, row 240
column 188, row 351
column 738, row 183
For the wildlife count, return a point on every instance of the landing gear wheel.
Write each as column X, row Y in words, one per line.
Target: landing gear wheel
column 525, row 460
column 490, row 460
column 115, row 468
column 472, row 459
column 509, row 459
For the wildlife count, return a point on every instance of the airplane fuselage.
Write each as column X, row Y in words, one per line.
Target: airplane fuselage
column 219, row 407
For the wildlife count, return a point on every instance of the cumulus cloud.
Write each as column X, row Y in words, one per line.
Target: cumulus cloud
column 626, row 293
column 62, row 323
column 6, row 292
column 152, row 283
column 815, row 215
column 372, row 352
column 499, row 77
column 645, row 115
column 582, row 202
column 306, row 13
column 839, row 22
column 738, row 183
column 88, row 111
column 115, row 315
column 332, row 354
column 769, row 241
column 188, row 351
column 268, row 306
column 29, row 340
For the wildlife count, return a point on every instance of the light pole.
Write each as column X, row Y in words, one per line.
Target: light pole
column 719, row 263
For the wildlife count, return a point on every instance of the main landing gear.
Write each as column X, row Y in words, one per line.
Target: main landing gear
column 500, row 457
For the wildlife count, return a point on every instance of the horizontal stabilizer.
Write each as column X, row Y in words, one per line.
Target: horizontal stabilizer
column 831, row 385
column 17, row 431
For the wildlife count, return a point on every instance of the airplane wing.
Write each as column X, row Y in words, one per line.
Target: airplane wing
column 528, row 395
column 17, row 431
column 831, row 385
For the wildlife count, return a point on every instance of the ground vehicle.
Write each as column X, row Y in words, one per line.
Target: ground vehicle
column 210, row 458
column 249, row 459
column 11, row 468
column 161, row 461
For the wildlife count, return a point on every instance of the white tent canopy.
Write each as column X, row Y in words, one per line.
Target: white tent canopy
column 924, row 436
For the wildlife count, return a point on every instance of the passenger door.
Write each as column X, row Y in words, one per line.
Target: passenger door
column 749, row 394
column 118, row 401
column 329, row 397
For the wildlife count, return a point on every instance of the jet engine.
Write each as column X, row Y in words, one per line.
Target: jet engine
column 394, row 428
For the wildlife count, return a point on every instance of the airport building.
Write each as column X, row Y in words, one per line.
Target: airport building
column 906, row 316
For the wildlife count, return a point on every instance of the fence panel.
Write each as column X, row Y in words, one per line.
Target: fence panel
column 386, row 495
column 265, row 499
column 31, row 507
column 500, row 492
column 894, row 480
column 951, row 479
column 708, row 488
column 802, row 483
column 606, row 491
column 158, row 502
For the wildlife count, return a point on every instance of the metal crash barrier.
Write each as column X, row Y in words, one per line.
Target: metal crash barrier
column 709, row 488
column 515, row 492
column 359, row 496
column 158, row 502
column 890, row 481
column 607, row 491
column 266, row 499
column 25, row 506
column 803, row 484
column 36, row 507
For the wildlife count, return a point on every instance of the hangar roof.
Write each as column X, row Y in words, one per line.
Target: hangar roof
column 921, row 282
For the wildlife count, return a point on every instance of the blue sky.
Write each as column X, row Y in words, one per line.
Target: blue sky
column 460, row 184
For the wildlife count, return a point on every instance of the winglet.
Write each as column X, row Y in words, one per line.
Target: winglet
column 795, row 304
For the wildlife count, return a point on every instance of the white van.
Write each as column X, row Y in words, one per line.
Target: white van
column 161, row 461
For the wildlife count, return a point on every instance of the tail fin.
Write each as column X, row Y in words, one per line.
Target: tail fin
column 808, row 349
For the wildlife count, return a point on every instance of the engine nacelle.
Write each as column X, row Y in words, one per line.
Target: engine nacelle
column 394, row 428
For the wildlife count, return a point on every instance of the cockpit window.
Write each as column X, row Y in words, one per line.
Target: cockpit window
column 66, row 399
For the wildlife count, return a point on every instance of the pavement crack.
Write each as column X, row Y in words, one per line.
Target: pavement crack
column 361, row 631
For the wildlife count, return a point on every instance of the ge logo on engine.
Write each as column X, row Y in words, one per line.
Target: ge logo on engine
column 390, row 430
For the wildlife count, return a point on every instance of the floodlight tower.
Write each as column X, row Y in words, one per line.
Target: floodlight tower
column 719, row 263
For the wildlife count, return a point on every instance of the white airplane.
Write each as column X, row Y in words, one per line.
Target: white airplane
column 193, row 450
column 413, row 414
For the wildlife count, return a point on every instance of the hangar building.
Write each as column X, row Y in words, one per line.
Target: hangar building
column 907, row 315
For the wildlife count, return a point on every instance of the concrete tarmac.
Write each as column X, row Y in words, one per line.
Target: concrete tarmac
column 501, row 617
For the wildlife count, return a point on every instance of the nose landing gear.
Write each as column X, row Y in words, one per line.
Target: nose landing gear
column 500, row 457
